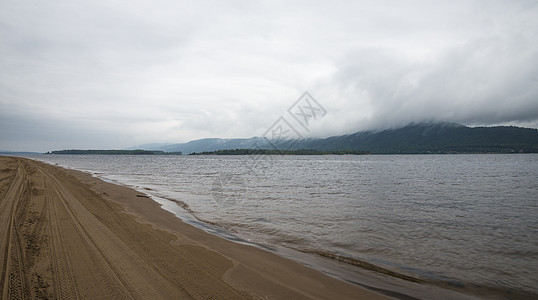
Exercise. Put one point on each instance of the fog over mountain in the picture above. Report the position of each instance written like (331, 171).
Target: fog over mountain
(107, 75)
(423, 138)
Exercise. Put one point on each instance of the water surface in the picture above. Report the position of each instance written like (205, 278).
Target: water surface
(463, 220)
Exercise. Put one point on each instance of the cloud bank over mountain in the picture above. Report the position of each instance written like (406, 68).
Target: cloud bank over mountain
(120, 73)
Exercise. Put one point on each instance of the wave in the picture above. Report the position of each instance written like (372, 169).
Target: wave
(362, 264)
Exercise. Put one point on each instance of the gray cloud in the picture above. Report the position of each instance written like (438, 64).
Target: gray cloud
(116, 74)
(485, 81)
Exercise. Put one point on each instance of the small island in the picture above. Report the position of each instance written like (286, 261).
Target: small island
(280, 152)
(114, 152)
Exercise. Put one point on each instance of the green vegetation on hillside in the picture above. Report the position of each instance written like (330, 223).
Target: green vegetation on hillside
(114, 152)
(280, 152)
(434, 138)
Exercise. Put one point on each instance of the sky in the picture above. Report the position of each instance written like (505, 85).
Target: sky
(116, 74)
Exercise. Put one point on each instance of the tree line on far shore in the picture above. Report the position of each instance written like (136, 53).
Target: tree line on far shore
(114, 152)
(280, 152)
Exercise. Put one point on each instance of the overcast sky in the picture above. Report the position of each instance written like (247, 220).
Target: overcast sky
(114, 74)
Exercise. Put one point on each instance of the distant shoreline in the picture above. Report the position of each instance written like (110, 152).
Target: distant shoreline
(114, 152)
(280, 152)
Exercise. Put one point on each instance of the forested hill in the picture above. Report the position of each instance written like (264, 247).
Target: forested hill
(434, 138)
(411, 139)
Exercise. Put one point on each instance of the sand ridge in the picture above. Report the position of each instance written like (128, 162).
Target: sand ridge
(67, 235)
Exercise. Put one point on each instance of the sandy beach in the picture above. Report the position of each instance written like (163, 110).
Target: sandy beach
(65, 234)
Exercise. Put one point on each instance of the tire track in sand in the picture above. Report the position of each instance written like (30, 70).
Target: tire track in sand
(119, 270)
(63, 282)
(13, 280)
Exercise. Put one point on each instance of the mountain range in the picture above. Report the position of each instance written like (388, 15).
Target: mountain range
(412, 139)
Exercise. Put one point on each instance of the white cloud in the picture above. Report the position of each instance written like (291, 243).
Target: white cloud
(129, 72)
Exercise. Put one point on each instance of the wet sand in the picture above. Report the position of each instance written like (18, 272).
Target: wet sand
(65, 234)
